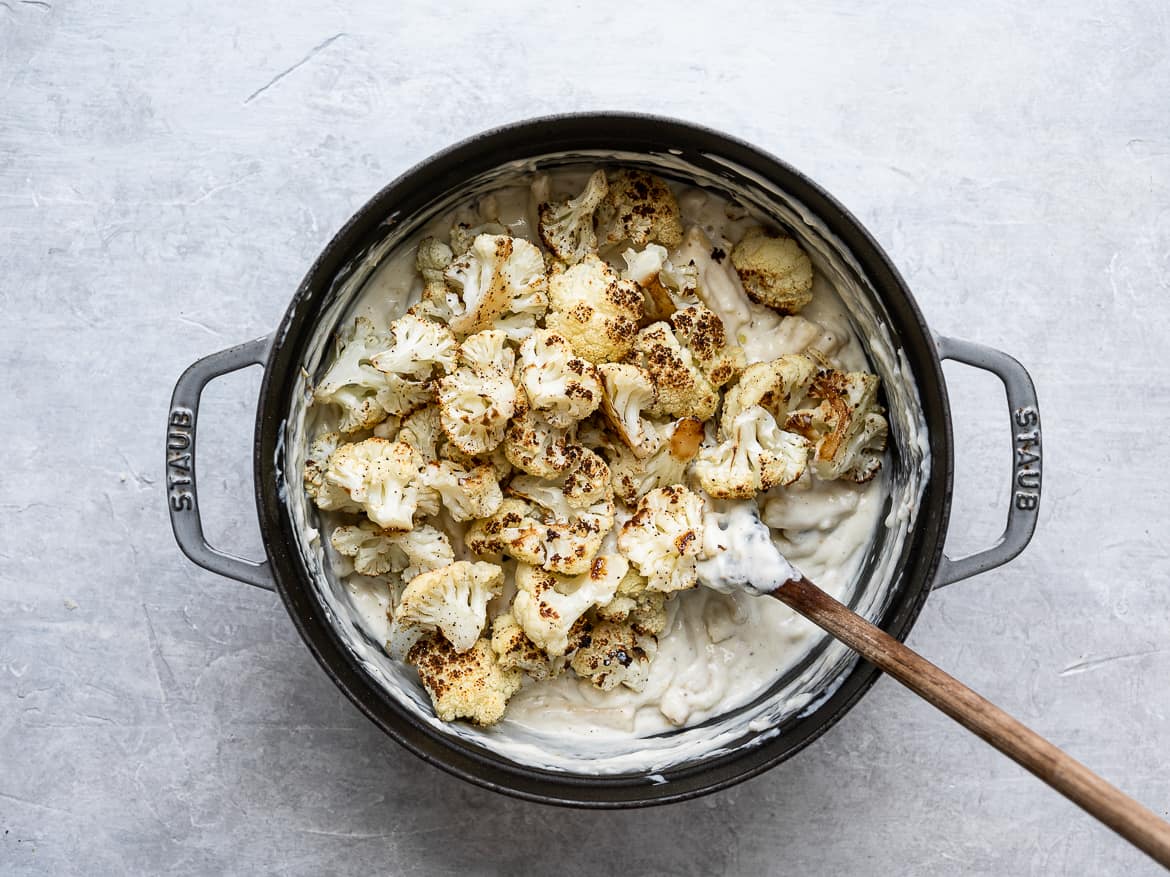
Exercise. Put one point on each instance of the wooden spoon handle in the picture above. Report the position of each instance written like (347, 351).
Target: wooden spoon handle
(1123, 814)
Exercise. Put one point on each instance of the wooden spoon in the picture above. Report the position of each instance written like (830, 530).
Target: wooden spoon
(746, 565)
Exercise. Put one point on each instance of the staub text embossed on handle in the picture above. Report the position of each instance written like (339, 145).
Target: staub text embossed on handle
(182, 486)
(1027, 474)
(180, 450)
(1028, 460)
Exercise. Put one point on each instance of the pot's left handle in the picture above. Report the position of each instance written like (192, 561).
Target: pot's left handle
(182, 496)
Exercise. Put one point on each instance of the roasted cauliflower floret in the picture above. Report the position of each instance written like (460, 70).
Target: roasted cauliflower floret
(327, 496)
(628, 391)
(487, 350)
(665, 286)
(633, 478)
(683, 389)
(547, 605)
(566, 227)
(401, 396)
(516, 651)
(564, 388)
(847, 427)
(639, 208)
(595, 310)
(431, 259)
(756, 456)
(352, 383)
(464, 232)
(467, 493)
(584, 485)
(381, 477)
(642, 609)
(376, 551)
(612, 653)
(774, 270)
(422, 549)
(664, 537)
(700, 331)
(554, 535)
(464, 685)
(421, 430)
(514, 530)
(644, 267)
(451, 599)
(476, 401)
(388, 428)
(418, 347)
(533, 444)
(500, 283)
(778, 386)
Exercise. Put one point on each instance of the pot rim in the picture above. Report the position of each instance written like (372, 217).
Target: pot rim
(551, 134)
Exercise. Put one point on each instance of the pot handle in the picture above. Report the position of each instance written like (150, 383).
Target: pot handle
(182, 496)
(1026, 460)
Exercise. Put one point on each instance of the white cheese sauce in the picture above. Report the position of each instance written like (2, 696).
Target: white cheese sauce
(721, 652)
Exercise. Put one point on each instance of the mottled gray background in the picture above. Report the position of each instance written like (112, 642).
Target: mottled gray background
(169, 170)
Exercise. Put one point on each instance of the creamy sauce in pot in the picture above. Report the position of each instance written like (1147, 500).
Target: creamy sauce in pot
(721, 652)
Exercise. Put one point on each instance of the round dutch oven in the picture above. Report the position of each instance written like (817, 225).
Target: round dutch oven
(904, 562)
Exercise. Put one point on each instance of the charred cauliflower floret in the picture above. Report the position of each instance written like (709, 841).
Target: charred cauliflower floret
(514, 530)
(665, 286)
(639, 208)
(544, 531)
(477, 399)
(546, 605)
(327, 496)
(499, 283)
(644, 268)
(464, 685)
(353, 384)
(700, 331)
(847, 427)
(451, 599)
(664, 537)
(633, 478)
(376, 551)
(612, 653)
(683, 388)
(516, 651)
(778, 386)
(594, 309)
(467, 493)
(566, 227)
(584, 485)
(381, 477)
(533, 444)
(564, 388)
(774, 270)
(628, 391)
(756, 456)
(417, 348)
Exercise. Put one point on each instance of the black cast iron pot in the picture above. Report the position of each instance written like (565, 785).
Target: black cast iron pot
(912, 565)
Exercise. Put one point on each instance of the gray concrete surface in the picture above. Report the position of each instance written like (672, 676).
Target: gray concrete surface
(169, 170)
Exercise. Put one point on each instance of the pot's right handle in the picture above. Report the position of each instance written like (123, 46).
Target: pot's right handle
(1026, 459)
(182, 497)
